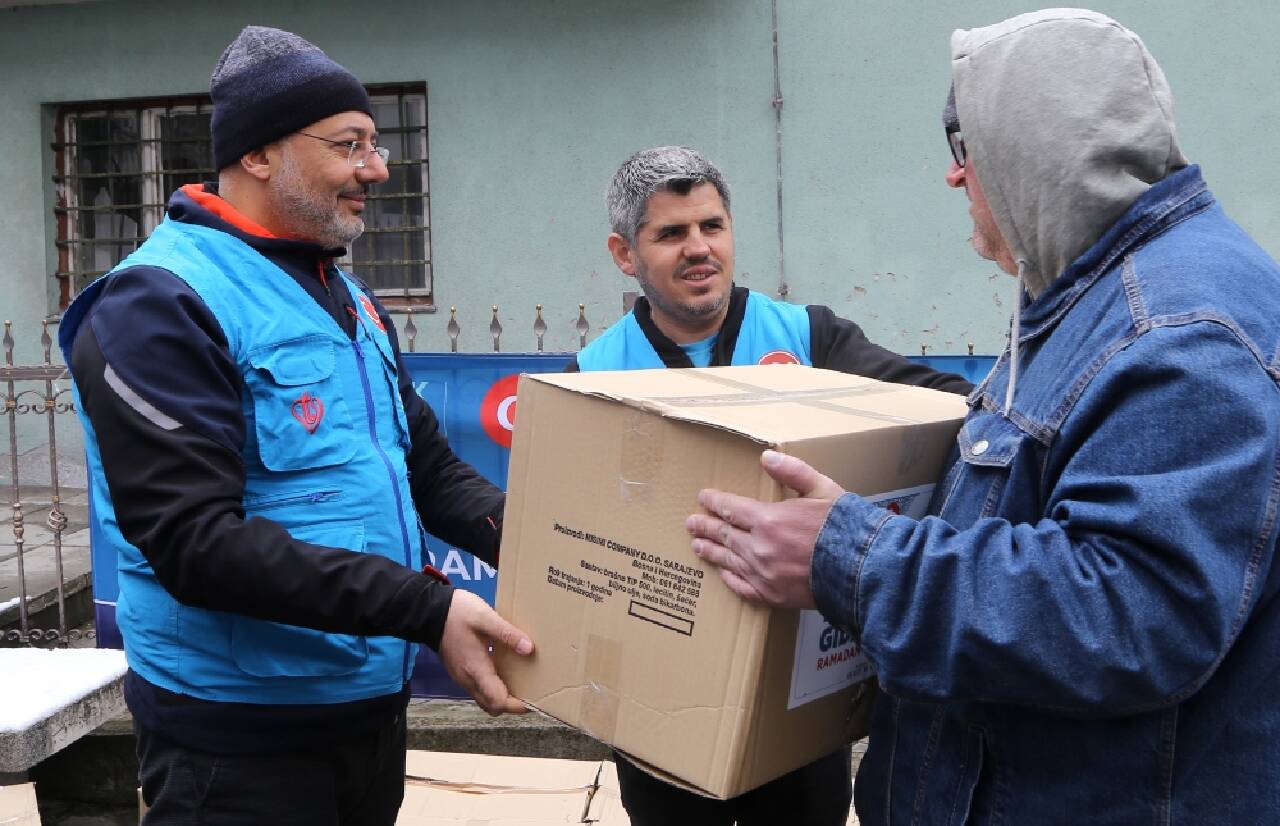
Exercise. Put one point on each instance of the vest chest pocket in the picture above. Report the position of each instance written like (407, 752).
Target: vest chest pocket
(991, 447)
(301, 418)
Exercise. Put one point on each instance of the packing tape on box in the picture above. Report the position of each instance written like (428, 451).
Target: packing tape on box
(751, 394)
(643, 451)
(601, 668)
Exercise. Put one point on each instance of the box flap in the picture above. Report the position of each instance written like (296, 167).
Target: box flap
(606, 804)
(488, 790)
(530, 773)
(770, 404)
(18, 805)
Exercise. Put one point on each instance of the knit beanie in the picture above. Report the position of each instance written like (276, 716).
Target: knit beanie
(270, 83)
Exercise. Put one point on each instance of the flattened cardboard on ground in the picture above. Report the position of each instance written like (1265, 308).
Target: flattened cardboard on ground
(485, 790)
(639, 643)
(18, 805)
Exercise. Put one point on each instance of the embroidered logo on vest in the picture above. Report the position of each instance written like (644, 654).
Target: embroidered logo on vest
(308, 410)
(371, 311)
(779, 357)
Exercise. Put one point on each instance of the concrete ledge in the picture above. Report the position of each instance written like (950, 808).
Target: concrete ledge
(21, 750)
(455, 725)
(102, 768)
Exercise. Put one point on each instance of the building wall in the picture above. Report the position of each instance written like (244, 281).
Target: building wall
(533, 103)
(873, 230)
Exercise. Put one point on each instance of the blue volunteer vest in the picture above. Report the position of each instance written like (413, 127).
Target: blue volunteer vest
(771, 331)
(324, 456)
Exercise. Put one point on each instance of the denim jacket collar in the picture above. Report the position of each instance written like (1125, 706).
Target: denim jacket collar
(1163, 205)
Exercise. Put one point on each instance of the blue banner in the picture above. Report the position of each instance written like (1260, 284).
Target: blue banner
(473, 396)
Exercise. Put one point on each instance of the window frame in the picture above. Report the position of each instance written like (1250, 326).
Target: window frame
(419, 296)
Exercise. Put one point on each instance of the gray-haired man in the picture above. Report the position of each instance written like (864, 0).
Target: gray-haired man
(1085, 628)
(673, 232)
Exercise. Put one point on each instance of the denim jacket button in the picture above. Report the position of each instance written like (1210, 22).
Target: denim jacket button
(980, 447)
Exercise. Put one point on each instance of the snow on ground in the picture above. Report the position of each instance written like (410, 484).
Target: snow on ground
(35, 683)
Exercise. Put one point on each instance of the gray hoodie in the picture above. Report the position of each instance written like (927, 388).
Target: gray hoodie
(1067, 120)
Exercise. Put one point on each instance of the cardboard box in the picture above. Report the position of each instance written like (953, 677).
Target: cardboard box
(484, 790)
(639, 643)
(18, 805)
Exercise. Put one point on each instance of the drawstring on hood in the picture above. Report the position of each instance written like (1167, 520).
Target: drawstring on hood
(1015, 333)
(1063, 142)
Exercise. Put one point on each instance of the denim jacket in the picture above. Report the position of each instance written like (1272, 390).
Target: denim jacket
(1087, 628)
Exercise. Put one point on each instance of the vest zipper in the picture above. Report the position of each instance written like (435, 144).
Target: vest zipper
(298, 498)
(395, 485)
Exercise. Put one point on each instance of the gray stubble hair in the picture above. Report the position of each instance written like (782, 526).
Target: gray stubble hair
(662, 168)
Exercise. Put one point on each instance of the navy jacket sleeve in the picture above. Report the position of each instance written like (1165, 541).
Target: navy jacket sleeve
(454, 501)
(839, 344)
(163, 396)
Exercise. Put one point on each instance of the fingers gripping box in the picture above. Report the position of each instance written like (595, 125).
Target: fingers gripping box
(639, 642)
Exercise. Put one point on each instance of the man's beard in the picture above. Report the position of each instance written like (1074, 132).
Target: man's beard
(673, 309)
(310, 215)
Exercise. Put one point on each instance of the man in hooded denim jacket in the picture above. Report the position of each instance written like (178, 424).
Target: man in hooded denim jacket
(1087, 628)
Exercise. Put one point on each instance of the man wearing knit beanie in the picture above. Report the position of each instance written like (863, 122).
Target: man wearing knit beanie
(269, 83)
(265, 472)
(271, 88)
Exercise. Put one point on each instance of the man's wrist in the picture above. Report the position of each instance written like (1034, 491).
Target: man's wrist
(838, 555)
(441, 599)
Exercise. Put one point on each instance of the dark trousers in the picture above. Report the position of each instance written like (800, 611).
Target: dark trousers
(353, 781)
(818, 794)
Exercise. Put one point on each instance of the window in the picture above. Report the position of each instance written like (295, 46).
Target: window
(117, 163)
(394, 254)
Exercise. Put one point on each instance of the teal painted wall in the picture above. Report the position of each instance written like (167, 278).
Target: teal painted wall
(530, 107)
(533, 103)
(872, 229)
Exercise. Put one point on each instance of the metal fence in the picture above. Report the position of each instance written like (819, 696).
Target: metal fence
(46, 595)
(45, 583)
(35, 581)
(581, 326)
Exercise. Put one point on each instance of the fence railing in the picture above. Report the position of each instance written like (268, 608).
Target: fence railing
(34, 581)
(45, 580)
(45, 583)
(454, 330)
(582, 328)
(46, 596)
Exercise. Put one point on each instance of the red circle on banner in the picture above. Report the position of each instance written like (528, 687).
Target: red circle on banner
(498, 409)
(779, 357)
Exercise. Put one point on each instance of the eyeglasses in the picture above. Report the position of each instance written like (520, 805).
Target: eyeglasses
(358, 152)
(955, 140)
